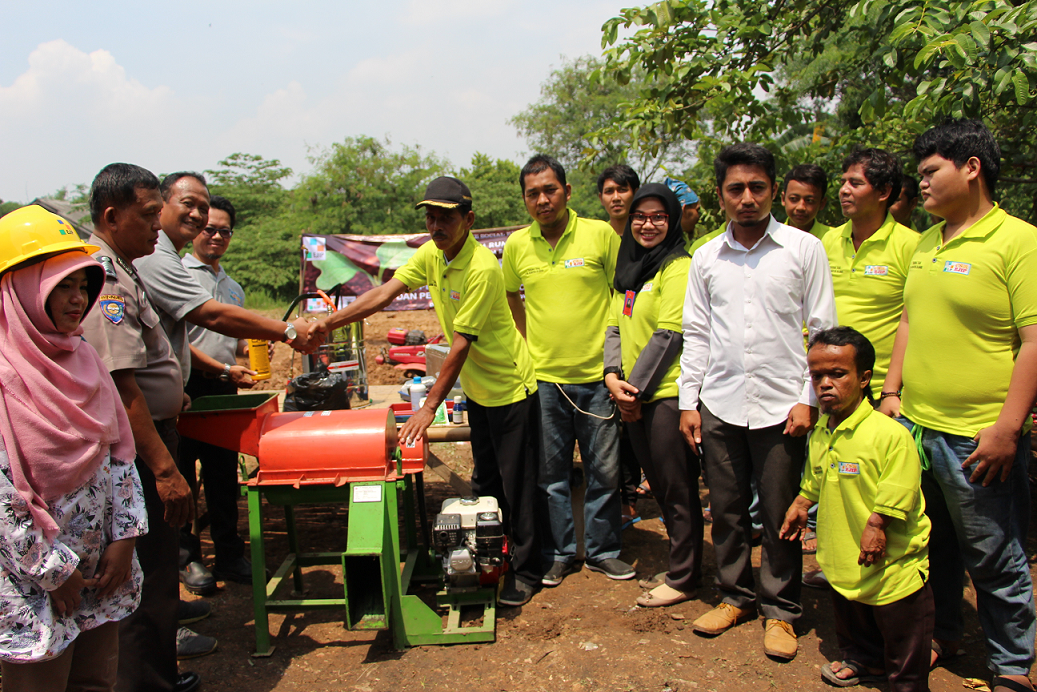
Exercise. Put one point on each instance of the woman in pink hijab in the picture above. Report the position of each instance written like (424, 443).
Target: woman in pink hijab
(71, 503)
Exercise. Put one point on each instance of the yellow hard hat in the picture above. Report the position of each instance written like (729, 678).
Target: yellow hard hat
(32, 232)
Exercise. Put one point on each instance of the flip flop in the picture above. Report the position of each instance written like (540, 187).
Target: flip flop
(643, 488)
(1008, 684)
(629, 520)
(809, 536)
(860, 675)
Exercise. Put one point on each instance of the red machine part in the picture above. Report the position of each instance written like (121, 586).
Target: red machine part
(327, 447)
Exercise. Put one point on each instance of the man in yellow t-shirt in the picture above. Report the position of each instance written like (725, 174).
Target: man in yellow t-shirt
(869, 255)
(467, 289)
(804, 196)
(567, 266)
(616, 187)
(966, 355)
(873, 533)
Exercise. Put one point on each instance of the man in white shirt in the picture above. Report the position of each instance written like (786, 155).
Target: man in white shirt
(745, 394)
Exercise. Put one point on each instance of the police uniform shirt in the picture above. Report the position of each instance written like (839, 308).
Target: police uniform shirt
(124, 329)
(174, 293)
(224, 290)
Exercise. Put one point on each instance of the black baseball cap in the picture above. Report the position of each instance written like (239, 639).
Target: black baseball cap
(446, 192)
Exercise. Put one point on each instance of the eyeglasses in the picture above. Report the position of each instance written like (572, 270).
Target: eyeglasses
(225, 232)
(656, 219)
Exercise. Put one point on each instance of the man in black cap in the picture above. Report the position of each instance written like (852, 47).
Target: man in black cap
(467, 289)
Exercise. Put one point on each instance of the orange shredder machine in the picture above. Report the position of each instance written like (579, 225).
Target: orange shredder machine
(348, 457)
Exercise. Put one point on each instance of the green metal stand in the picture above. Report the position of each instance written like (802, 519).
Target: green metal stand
(374, 586)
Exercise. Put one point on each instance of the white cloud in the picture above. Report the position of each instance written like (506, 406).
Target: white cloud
(440, 11)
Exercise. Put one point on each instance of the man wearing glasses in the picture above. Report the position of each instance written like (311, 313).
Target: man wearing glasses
(180, 300)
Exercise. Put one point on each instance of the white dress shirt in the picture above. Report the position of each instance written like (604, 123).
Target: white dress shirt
(744, 314)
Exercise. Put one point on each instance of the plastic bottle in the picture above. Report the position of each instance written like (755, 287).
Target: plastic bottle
(417, 393)
(259, 359)
(458, 410)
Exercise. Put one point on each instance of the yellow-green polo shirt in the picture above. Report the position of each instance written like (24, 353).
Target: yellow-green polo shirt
(658, 305)
(468, 294)
(568, 290)
(869, 285)
(693, 245)
(966, 301)
(868, 464)
(819, 230)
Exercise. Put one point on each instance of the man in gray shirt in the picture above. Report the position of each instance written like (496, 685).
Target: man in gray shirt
(180, 300)
(214, 372)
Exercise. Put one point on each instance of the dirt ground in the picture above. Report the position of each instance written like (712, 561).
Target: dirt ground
(586, 634)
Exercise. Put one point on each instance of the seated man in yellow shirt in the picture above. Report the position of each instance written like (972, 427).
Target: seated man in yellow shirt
(873, 534)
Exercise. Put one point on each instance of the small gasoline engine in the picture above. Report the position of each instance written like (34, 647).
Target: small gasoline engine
(469, 537)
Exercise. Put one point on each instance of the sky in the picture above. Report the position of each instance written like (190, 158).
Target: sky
(184, 85)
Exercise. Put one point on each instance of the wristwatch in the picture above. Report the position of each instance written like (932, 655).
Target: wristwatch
(290, 333)
(225, 375)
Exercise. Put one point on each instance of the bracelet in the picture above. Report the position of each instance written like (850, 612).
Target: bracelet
(884, 395)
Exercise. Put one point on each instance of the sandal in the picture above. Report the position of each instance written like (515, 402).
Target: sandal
(809, 536)
(943, 657)
(1009, 684)
(860, 675)
(643, 488)
(629, 518)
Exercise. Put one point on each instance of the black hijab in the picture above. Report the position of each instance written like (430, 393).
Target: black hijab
(635, 265)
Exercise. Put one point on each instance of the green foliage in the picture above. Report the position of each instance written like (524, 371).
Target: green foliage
(873, 72)
(8, 207)
(363, 186)
(252, 184)
(576, 102)
(496, 196)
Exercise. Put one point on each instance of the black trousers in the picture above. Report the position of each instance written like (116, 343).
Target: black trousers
(733, 455)
(672, 470)
(505, 451)
(220, 483)
(896, 637)
(147, 638)
(629, 468)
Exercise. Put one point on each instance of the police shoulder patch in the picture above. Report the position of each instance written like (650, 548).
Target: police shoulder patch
(113, 308)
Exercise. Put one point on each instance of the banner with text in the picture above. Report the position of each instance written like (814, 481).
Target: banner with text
(361, 262)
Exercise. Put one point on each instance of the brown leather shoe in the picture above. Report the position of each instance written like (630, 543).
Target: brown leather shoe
(779, 639)
(722, 618)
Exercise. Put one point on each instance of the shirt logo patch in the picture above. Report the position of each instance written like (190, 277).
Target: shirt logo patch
(849, 467)
(876, 270)
(957, 268)
(571, 263)
(113, 308)
(647, 288)
(455, 295)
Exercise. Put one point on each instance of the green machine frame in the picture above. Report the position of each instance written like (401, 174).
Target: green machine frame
(374, 585)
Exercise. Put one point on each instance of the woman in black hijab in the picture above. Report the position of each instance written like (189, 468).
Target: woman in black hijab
(642, 345)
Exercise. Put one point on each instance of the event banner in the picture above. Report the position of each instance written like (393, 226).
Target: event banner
(361, 262)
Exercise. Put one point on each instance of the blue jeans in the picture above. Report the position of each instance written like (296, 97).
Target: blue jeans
(561, 427)
(982, 530)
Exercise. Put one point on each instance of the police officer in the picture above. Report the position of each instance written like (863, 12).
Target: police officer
(124, 205)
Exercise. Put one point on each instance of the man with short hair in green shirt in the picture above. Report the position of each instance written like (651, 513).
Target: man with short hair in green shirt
(873, 533)
(467, 289)
(567, 265)
(966, 356)
(804, 196)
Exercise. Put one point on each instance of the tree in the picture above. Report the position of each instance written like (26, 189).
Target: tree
(252, 184)
(362, 186)
(577, 101)
(495, 191)
(874, 72)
